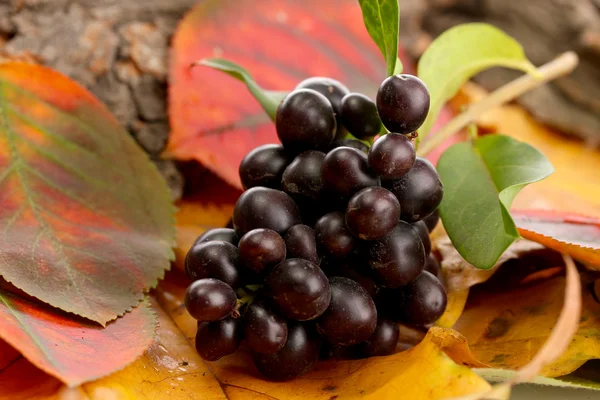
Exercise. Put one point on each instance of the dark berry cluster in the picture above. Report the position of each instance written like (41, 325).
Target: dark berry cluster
(330, 243)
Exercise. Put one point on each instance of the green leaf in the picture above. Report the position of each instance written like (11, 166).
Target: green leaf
(481, 179)
(381, 19)
(268, 99)
(460, 53)
(399, 67)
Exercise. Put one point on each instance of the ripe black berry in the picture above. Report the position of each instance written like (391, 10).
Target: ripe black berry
(210, 300)
(432, 265)
(218, 339)
(302, 178)
(355, 144)
(264, 166)
(423, 232)
(359, 116)
(351, 316)
(402, 103)
(372, 213)
(333, 237)
(299, 354)
(264, 331)
(382, 342)
(305, 121)
(345, 171)
(392, 156)
(432, 220)
(261, 207)
(398, 258)
(261, 249)
(299, 289)
(422, 301)
(224, 234)
(419, 192)
(300, 242)
(213, 259)
(333, 90)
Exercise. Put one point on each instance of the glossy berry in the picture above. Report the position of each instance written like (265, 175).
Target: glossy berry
(351, 316)
(260, 249)
(372, 213)
(225, 234)
(299, 289)
(359, 116)
(392, 156)
(355, 144)
(210, 300)
(351, 268)
(432, 220)
(302, 178)
(298, 356)
(398, 258)
(423, 232)
(332, 89)
(213, 259)
(305, 121)
(264, 166)
(218, 339)
(300, 242)
(333, 237)
(402, 103)
(432, 265)
(422, 301)
(382, 342)
(345, 171)
(261, 207)
(419, 192)
(264, 331)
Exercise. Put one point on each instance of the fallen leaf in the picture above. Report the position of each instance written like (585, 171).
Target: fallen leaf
(74, 350)
(573, 234)
(169, 369)
(267, 38)
(455, 346)
(554, 347)
(423, 372)
(87, 219)
(460, 275)
(457, 299)
(506, 324)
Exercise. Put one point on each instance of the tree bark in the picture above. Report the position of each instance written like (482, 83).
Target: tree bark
(545, 28)
(116, 48)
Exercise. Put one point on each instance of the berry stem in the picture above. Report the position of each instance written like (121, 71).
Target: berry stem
(562, 65)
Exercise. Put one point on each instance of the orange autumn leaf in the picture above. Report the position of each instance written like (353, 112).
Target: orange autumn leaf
(72, 349)
(506, 324)
(85, 214)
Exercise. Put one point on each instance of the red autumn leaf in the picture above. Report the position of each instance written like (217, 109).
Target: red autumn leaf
(576, 235)
(73, 350)
(214, 119)
(87, 220)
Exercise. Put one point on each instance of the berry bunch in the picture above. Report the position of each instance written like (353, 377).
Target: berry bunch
(330, 241)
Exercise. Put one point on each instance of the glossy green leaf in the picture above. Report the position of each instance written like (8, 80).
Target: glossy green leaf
(381, 19)
(269, 100)
(460, 53)
(481, 179)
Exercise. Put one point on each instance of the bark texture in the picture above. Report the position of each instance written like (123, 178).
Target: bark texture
(116, 48)
(546, 28)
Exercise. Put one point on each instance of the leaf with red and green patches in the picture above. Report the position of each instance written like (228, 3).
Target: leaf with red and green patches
(572, 234)
(73, 350)
(87, 222)
(214, 118)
